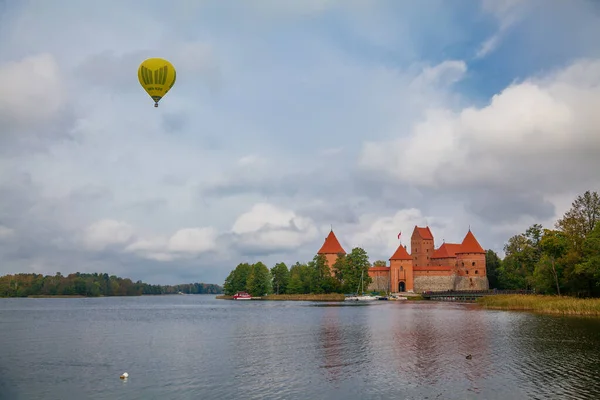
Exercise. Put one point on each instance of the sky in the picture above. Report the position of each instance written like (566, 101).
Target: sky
(287, 119)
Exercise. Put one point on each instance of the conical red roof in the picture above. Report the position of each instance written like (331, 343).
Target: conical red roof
(470, 244)
(400, 254)
(331, 245)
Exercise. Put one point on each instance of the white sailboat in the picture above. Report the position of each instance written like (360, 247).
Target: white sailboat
(362, 296)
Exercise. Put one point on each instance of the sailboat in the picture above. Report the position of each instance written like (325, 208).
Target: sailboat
(361, 297)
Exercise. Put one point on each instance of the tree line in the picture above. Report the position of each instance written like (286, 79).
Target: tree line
(91, 285)
(350, 276)
(563, 260)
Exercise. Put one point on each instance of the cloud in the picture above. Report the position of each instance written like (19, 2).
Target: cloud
(526, 138)
(268, 228)
(287, 118)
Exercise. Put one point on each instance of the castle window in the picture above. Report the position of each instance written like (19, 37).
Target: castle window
(463, 263)
(467, 272)
(476, 272)
(401, 268)
(473, 263)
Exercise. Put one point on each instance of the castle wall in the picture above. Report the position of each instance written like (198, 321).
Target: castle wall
(449, 281)
(381, 281)
(472, 264)
(471, 283)
(424, 283)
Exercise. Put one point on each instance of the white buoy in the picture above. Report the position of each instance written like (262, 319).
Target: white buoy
(124, 376)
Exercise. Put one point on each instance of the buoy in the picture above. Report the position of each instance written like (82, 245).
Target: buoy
(124, 376)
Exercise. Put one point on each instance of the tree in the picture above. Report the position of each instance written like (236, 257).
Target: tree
(356, 267)
(590, 266)
(554, 244)
(237, 279)
(380, 263)
(492, 266)
(259, 280)
(281, 277)
(321, 279)
(581, 219)
(299, 282)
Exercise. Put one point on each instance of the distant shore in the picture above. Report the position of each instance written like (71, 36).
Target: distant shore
(562, 305)
(57, 296)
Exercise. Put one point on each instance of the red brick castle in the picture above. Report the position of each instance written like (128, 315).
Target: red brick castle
(452, 266)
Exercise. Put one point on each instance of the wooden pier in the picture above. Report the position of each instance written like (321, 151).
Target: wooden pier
(468, 295)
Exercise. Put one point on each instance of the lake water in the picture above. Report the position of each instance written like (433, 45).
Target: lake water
(197, 347)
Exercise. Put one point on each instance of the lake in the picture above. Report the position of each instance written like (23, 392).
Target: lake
(195, 346)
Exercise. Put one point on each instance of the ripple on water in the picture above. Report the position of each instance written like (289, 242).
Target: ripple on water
(196, 346)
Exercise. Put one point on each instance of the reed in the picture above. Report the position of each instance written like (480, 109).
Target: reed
(544, 304)
(224, 297)
(306, 297)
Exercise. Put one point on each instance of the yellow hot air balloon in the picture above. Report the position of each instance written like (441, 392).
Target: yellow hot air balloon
(157, 77)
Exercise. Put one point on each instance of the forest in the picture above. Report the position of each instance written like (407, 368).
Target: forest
(561, 260)
(351, 272)
(92, 285)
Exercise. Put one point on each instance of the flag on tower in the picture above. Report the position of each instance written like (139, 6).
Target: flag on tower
(400, 233)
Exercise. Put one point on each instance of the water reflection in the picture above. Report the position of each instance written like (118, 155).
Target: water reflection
(556, 357)
(330, 339)
(194, 346)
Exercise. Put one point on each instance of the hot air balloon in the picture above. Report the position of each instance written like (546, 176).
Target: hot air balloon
(157, 77)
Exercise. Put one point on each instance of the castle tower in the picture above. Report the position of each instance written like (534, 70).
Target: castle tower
(421, 246)
(331, 249)
(401, 271)
(471, 259)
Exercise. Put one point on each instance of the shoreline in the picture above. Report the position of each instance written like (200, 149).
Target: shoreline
(543, 304)
(294, 297)
(334, 297)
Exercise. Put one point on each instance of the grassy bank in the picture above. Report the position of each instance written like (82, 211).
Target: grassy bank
(224, 297)
(543, 304)
(413, 298)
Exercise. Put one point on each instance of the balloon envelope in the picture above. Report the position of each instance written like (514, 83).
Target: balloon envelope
(157, 77)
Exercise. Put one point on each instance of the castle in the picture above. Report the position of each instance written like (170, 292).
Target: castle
(452, 266)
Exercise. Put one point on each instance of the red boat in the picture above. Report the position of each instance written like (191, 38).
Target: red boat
(242, 296)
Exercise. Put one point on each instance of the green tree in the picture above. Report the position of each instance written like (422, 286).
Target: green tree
(237, 279)
(321, 279)
(300, 279)
(356, 267)
(259, 280)
(281, 277)
(590, 265)
(581, 219)
(492, 265)
(554, 245)
(380, 263)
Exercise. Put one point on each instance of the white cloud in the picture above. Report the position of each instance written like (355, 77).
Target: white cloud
(32, 90)
(508, 13)
(266, 226)
(185, 243)
(527, 137)
(107, 232)
(379, 234)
